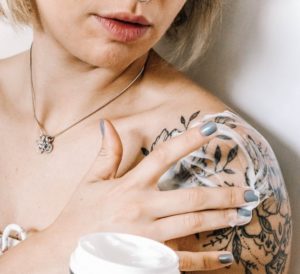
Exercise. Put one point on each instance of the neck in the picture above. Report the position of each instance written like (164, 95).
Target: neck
(68, 87)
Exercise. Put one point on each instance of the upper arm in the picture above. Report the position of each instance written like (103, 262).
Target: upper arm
(240, 156)
(262, 246)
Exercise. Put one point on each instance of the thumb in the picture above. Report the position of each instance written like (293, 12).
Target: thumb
(109, 157)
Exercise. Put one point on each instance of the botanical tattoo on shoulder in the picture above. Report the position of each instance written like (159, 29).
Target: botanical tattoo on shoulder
(168, 134)
(265, 248)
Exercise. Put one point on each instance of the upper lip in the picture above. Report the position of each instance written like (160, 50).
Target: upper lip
(128, 17)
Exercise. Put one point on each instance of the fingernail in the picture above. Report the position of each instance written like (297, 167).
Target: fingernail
(244, 213)
(226, 258)
(242, 217)
(208, 128)
(250, 196)
(102, 127)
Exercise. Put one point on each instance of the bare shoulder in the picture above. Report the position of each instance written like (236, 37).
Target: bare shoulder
(174, 101)
(7, 68)
(238, 156)
(12, 72)
(180, 92)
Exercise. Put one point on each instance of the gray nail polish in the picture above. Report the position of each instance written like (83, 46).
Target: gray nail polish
(245, 213)
(208, 128)
(250, 196)
(226, 258)
(102, 127)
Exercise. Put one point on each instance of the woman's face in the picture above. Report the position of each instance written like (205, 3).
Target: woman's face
(107, 32)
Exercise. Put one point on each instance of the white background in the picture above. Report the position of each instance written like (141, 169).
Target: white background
(254, 66)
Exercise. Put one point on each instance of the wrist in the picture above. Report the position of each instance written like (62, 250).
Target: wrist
(41, 253)
(62, 240)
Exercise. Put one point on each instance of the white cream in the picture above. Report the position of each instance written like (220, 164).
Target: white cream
(119, 253)
(262, 173)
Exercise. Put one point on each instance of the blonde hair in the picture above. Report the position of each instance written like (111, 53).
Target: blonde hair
(20, 12)
(189, 34)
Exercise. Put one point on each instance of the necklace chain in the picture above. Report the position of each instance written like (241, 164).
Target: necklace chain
(45, 142)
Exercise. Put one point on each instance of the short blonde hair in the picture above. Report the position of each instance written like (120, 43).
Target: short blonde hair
(21, 12)
(189, 33)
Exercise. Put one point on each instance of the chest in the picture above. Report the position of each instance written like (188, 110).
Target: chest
(35, 187)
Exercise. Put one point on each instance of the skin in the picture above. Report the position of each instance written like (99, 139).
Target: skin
(85, 68)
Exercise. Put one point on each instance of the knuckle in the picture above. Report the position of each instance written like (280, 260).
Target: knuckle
(115, 154)
(232, 196)
(195, 197)
(186, 263)
(205, 263)
(103, 152)
(226, 215)
(193, 221)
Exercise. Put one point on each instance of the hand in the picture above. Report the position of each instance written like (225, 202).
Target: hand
(133, 204)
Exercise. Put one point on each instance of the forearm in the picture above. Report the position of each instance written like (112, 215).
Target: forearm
(43, 253)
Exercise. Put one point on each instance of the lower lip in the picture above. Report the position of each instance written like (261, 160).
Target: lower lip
(122, 31)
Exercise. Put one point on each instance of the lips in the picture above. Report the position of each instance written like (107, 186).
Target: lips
(124, 27)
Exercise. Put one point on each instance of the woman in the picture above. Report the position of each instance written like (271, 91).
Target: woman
(85, 55)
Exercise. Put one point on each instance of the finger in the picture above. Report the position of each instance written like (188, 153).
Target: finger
(109, 157)
(190, 223)
(200, 198)
(204, 261)
(160, 160)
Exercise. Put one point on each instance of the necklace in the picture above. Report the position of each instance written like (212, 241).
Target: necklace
(45, 142)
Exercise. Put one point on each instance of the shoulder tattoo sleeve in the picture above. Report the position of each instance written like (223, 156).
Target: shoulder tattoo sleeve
(238, 156)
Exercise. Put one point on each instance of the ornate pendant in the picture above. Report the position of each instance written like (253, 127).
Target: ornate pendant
(45, 143)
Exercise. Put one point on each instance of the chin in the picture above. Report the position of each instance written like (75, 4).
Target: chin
(109, 53)
(105, 54)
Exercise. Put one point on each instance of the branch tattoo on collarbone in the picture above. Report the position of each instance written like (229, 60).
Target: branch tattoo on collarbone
(241, 158)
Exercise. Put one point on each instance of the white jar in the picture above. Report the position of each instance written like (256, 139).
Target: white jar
(119, 253)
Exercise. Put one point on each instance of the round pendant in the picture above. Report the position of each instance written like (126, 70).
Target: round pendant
(45, 143)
